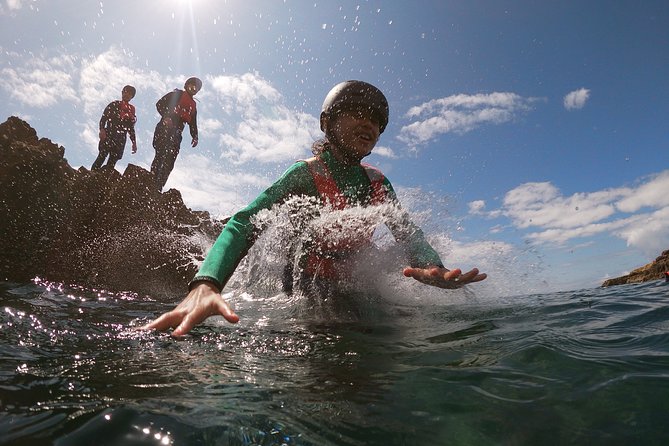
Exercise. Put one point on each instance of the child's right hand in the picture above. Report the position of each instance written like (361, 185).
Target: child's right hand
(204, 300)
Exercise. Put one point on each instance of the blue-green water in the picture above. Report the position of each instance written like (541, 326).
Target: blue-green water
(586, 367)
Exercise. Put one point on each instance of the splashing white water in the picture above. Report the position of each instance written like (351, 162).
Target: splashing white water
(377, 274)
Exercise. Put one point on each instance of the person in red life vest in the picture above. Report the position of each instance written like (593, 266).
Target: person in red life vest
(177, 108)
(117, 121)
(353, 116)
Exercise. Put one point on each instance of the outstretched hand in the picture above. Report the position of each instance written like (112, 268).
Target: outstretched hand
(444, 278)
(203, 301)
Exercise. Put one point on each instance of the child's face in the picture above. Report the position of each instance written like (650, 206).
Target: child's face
(192, 89)
(356, 132)
(126, 95)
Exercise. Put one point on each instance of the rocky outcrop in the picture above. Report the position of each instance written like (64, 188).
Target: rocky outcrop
(653, 271)
(94, 228)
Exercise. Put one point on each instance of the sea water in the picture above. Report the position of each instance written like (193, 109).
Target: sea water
(581, 367)
(391, 362)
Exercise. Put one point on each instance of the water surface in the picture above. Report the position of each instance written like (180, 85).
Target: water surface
(585, 367)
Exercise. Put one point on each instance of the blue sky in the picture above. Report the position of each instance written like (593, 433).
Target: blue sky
(529, 138)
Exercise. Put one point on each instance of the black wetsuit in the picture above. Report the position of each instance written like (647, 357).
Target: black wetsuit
(118, 120)
(167, 138)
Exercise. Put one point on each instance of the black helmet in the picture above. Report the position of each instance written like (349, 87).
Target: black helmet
(356, 94)
(194, 80)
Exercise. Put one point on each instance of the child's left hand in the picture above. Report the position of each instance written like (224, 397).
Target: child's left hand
(444, 278)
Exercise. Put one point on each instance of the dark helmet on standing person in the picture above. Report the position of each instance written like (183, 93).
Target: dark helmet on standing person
(355, 95)
(195, 81)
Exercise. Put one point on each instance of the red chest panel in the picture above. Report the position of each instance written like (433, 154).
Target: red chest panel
(185, 108)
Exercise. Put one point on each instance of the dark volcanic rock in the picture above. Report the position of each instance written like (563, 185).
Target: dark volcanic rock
(99, 229)
(653, 271)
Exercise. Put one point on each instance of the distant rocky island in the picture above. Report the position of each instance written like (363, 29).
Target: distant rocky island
(99, 228)
(653, 271)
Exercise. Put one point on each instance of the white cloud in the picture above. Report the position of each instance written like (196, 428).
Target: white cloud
(460, 114)
(559, 236)
(207, 185)
(476, 207)
(12, 5)
(653, 193)
(89, 135)
(560, 218)
(284, 136)
(650, 233)
(243, 92)
(40, 83)
(385, 152)
(541, 204)
(268, 131)
(473, 254)
(576, 99)
(209, 125)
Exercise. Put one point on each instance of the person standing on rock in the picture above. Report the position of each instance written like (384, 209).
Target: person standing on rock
(117, 121)
(177, 108)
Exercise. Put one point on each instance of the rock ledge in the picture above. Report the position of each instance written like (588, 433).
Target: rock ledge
(653, 271)
(99, 229)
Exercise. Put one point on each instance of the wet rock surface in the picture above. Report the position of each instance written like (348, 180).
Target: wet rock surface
(98, 228)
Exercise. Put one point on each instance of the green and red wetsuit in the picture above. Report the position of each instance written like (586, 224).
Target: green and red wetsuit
(303, 179)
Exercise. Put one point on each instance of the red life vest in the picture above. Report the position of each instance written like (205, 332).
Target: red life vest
(185, 108)
(126, 112)
(325, 255)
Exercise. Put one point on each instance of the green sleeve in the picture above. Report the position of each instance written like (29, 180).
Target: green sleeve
(420, 253)
(239, 233)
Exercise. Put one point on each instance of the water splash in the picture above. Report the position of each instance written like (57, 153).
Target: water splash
(289, 228)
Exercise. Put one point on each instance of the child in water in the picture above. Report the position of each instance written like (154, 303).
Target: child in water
(353, 116)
